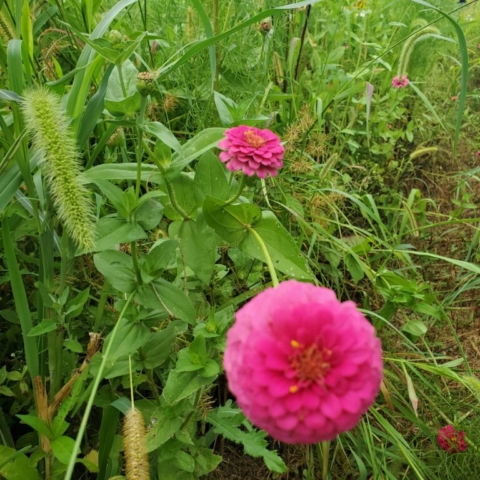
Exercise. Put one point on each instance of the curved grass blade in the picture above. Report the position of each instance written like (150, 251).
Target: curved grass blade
(462, 43)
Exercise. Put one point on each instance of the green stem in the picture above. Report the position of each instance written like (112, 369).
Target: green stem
(268, 259)
(173, 201)
(136, 266)
(241, 186)
(101, 305)
(96, 383)
(139, 151)
(122, 80)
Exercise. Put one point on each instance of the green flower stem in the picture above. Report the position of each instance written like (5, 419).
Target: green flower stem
(173, 201)
(136, 266)
(325, 451)
(122, 80)
(239, 190)
(96, 383)
(268, 259)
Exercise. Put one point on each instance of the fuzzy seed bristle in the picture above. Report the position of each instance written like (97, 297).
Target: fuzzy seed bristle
(47, 122)
(135, 446)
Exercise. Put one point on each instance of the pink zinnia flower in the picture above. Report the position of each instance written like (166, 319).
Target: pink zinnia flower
(398, 82)
(302, 365)
(252, 150)
(450, 440)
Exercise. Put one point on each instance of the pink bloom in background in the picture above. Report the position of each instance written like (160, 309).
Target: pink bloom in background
(252, 150)
(450, 440)
(303, 366)
(398, 82)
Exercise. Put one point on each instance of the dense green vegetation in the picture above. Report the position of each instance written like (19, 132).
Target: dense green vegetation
(127, 246)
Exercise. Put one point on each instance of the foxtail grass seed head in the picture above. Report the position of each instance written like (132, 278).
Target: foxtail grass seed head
(7, 32)
(135, 446)
(48, 123)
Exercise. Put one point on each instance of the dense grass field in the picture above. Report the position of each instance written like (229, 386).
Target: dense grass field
(186, 185)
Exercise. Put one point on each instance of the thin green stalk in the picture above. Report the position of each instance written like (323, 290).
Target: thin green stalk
(96, 383)
(173, 201)
(101, 305)
(268, 259)
(136, 266)
(122, 80)
(139, 151)
(239, 191)
(21, 300)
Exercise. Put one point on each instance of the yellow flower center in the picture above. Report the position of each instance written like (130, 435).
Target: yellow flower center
(311, 363)
(254, 139)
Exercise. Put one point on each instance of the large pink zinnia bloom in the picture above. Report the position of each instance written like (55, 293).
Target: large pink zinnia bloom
(251, 150)
(302, 365)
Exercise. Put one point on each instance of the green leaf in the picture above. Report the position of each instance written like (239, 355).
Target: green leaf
(210, 179)
(283, 250)
(149, 214)
(116, 102)
(16, 465)
(161, 255)
(43, 327)
(117, 268)
(253, 441)
(414, 329)
(230, 221)
(160, 344)
(62, 448)
(194, 148)
(164, 135)
(197, 246)
(112, 231)
(130, 337)
(104, 48)
(162, 295)
(37, 424)
(162, 429)
(464, 78)
(182, 384)
(354, 268)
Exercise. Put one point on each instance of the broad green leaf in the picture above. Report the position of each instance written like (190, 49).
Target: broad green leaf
(160, 344)
(285, 254)
(117, 268)
(37, 424)
(164, 296)
(113, 231)
(181, 385)
(193, 149)
(161, 255)
(149, 214)
(130, 337)
(162, 429)
(163, 134)
(230, 221)
(210, 179)
(414, 329)
(197, 246)
(62, 448)
(15, 465)
(117, 102)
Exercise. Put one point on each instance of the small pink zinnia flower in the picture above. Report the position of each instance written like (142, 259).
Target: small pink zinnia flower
(302, 365)
(450, 440)
(252, 150)
(398, 82)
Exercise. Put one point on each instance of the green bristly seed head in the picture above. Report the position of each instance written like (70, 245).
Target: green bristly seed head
(48, 123)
